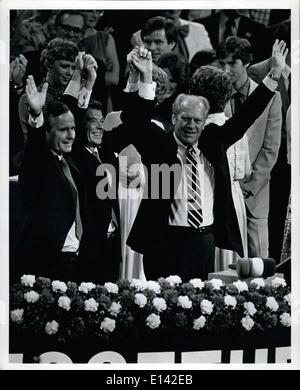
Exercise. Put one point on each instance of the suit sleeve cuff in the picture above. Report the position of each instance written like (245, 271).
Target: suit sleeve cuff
(36, 122)
(147, 91)
(270, 84)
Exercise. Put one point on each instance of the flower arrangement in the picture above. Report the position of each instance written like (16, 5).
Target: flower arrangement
(67, 311)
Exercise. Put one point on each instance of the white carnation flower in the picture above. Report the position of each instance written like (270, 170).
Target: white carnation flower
(159, 304)
(199, 323)
(86, 287)
(250, 308)
(206, 306)
(64, 303)
(28, 280)
(51, 327)
(17, 315)
(31, 296)
(184, 301)
(111, 287)
(174, 280)
(278, 282)
(287, 298)
(140, 299)
(258, 282)
(115, 308)
(154, 286)
(91, 305)
(247, 322)
(229, 300)
(216, 283)
(272, 304)
(241, 286)
(57, 285)
(197, 283)
(153, 321)
(285, 319)
(140, 285)
(108, 325)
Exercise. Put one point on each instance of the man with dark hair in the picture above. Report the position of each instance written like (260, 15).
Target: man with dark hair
(100, 251)
(264, 141)
(159, 35)
(52, 194)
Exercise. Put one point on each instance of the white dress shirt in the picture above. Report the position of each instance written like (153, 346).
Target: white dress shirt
(179, 207)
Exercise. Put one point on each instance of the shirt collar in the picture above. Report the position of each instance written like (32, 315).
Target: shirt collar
(244, 89)
(182, 148)
(59, 156)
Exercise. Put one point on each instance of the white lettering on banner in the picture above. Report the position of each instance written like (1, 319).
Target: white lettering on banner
(236, 356)
(261, 356)
(107, 357)
(201, 357)
(156, 357)
(54, 357)
(282, 355)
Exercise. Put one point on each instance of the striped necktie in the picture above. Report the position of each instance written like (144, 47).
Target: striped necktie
(68, 175)
(194, 217)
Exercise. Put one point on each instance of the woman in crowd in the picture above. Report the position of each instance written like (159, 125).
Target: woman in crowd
(59, 61)
(215, 85)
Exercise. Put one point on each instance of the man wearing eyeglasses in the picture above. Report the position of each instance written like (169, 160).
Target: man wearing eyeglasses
(70, 25)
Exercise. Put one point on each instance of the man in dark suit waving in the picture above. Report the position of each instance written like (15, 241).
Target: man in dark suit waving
(177, 233)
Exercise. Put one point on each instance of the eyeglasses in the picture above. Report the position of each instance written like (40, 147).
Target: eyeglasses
(68, 29)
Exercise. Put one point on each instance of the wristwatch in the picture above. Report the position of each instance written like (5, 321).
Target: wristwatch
(273, 77)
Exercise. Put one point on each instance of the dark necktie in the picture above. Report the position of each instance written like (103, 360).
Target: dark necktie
(195, 217)
(181, 47)
(68, 175)
(229, 28)
(237, 97)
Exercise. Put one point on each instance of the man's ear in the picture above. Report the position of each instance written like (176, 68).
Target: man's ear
(173, 119)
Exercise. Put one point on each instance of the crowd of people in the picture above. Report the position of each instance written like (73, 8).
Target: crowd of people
(148, 148)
